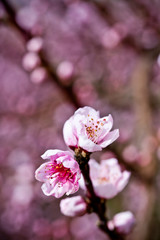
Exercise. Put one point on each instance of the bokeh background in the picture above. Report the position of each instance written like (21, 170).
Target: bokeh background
(56, 56)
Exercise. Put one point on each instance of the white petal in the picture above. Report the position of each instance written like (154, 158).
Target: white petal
(69, 133)
(109, 138)
(123, 180)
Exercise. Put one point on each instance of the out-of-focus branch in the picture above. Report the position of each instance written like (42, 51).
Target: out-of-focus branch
(127, 41)
(141, 104)
(67, 90)
(143, 137)
(142, 8)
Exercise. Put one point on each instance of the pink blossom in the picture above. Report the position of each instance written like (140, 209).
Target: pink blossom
(35, 44)
(87, 130)
(60, 175)
(65, 70)
(122, 222)
(38, 75)
(107, 178)
(74, 206)
(30, 61)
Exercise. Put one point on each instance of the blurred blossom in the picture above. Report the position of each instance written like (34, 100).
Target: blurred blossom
(78, 13)
(85, 92)
(25, 173)
(149, 38)
(107, 178)
(22, 194)
(24, 14)
(147, 152)
(65, 71)
(47, 137)
(30, 61)
(61, 114)
(136, 198)
(158, 60)
(38, 75)
(14, 218)
(122, 222)
(18, 156)
(26, 105)
(40, 6)
(107, 155)
(74, 206)
(60, 228)
(131, 153)
(85, 228)
(10, 127)
(42, 227)
(110, 38)
(35, 44)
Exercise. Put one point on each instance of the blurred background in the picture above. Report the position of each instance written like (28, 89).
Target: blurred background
(56, 56)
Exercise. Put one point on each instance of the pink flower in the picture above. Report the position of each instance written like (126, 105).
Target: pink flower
(107, 178)
(60, 175)
(87, 130)
(74, 206)
(122, 222)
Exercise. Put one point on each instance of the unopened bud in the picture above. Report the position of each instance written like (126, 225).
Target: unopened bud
(65, 70)
(38, 75)
(122, 222)
(35, 44)
(74, 206)
(30, 61)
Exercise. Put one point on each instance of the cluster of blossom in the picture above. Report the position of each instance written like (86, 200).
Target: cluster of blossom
(31, 61)
(61, 174)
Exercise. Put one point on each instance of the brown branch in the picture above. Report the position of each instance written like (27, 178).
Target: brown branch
(96, 204)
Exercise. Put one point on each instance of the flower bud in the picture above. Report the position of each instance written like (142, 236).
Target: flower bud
(30, 61)
(74, 206)
(38, 75)
(65, 70)
(122, 222)
(35, 44)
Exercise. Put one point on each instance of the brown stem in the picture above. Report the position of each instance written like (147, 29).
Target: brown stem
(96, 204)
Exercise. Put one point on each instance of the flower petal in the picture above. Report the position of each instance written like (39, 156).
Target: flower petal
(123, 180)
(72, 164)
(49, 153)
(107, 190)
(41, 174)
(69, 133)
(88, 111)
(88, 145)
(109, 138)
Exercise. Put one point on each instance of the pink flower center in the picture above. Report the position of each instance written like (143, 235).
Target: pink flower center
(61, 173)
(94, 128)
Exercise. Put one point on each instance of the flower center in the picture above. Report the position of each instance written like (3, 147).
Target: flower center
(94, 128)
(61, 173)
